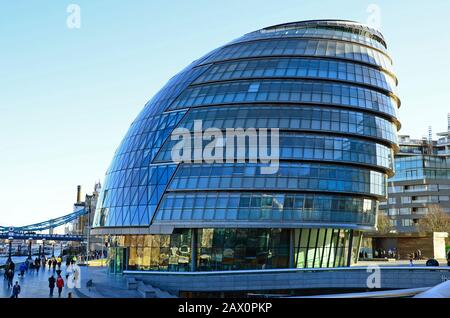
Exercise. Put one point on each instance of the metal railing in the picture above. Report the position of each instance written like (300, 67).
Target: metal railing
(289, 270)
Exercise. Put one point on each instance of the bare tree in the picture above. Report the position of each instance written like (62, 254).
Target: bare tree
(436, 220)
(383, 224)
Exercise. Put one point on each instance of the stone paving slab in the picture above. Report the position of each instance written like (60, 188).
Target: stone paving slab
(34, 284)
(104, 285)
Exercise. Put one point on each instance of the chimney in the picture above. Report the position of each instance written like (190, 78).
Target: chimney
(78, 194)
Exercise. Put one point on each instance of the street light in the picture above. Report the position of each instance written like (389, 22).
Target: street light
(29, 241)
(9, 241)
(53, 248)
(43, 249)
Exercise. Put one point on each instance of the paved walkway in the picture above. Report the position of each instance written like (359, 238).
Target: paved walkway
(396, 263)
(104, 285)
(34, 284)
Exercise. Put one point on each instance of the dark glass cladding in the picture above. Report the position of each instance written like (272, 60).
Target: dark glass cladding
(294, 118)
(303, 47)
(287, 91)
(307, 147)
(229, 209)
(299, 68)
(315, 177)
(328, 86)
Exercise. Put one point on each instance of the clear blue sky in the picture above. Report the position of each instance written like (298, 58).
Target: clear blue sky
(67, 96)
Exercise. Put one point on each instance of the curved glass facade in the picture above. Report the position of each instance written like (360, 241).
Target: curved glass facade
(299, 68)
(328, 88)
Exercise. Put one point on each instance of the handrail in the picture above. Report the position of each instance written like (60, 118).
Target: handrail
(284, 270)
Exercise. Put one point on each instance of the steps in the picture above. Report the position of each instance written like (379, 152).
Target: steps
(147, 290)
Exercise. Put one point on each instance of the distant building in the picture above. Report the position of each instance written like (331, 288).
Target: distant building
(80, 226)
(422, 178)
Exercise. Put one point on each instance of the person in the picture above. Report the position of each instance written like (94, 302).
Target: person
(16, 290)
(49, 263)
(44, 262)
(12, 265)
(69, 295)
(69, 270)
(10, 277)
(54, 264)
(59, 284)
(5, 274)
(411, 261)
(37, 264)
(51, 284)
(22, 269)
(76, 276)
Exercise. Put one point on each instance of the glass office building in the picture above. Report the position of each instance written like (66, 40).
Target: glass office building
(421, 181)
(329, 87)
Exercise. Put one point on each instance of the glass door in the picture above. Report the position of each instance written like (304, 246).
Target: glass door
(117, 260)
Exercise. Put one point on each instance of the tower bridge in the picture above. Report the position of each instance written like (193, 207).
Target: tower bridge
(31, 233)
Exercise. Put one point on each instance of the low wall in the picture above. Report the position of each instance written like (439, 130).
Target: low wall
(391, 277)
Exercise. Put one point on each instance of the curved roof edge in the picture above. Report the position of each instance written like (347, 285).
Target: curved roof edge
(337, 22)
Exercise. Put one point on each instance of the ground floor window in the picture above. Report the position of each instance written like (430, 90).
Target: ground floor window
(236, 249)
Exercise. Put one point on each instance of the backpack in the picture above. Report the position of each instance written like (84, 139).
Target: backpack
(60, 282)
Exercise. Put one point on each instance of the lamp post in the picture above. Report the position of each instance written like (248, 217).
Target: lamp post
(88, 232)
(30, 241)
(9, 241)
(43, 248)
(101, 256)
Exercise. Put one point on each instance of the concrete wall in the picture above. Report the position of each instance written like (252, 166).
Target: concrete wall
(432, 245)
(338, 278)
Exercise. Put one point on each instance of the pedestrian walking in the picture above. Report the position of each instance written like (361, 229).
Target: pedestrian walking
(37, 264)
(5, 274)
(10, 277)
(59, 284)
(16, 290)
(22, 269)
(411, 261)
(51, 284)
